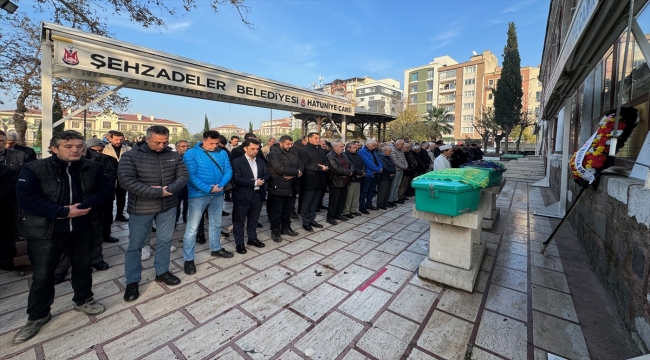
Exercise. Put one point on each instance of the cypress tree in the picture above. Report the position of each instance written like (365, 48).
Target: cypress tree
(206, 124)
(57, 114)
(508, 94)
(250, 127)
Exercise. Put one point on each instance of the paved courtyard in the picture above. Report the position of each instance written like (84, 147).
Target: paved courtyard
(349, 291)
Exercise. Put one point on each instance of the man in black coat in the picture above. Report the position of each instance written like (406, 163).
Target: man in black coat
(60, 197)
(351, 208)
(12, 143)
(249, 175)
(313, 181)
(8, 179)
(286, 169)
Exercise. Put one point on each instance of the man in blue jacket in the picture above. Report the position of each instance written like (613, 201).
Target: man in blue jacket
(369, 183)
(210, 171)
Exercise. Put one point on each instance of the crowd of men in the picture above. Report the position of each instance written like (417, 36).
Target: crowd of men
(63, 205)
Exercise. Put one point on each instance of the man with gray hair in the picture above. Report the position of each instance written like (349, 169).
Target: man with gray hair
(400, 165)
(12, 143)
(153, 175)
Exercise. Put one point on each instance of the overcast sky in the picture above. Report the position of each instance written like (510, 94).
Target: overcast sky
(298, 41)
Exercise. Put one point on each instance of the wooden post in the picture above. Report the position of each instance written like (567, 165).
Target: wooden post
(372, 130)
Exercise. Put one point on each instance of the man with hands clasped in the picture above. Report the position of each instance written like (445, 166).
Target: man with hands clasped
(153, 175)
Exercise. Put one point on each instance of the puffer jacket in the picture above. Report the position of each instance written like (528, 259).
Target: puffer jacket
(142, 168)
(284, 163)
(373, 165)
(389, 167)
(203, 173)
(339, 173)
(398, 158)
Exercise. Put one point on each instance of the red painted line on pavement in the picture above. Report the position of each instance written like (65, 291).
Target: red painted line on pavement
(373, 279)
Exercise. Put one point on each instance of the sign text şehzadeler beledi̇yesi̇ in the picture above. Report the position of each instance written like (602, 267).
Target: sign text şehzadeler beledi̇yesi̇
(151, 71)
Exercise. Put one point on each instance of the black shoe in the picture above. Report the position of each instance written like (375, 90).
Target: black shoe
(256, 243)
(100, 265)
(364, 211)
(308, 228)
(111, 239)
(288, 231)
(121, 218)
(275, 236)
(349, 216)
(356, 213)
(224, 213)
(31, 329)
(341, 218)
(200, 239)
(225, 234)
(189, 267)
(323, 207)
(316, 225)
(241, 249)
(391, 204)
(222, 253)
(168, 279)
(294, 215)
(383, 207)
(400, 201)
(371, 208)
(153, 229)
(332, 221)
(131, 293)
(7, 265)
(259, 225)
(59, 278)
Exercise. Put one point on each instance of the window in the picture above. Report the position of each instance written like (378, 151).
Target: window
(429, 85)
(470, 69)
(362, 99)
(145, 127)
(449, 108)
(429, 107)
(414, 76)
(470, 81)
(490, 96)
(467, 117)
(89, 125)
(430, 74)
(468, 93)
(467, 130)
(447, 74)
(538, 96)
(371, 98)
(413, 99)
(414, 88)
(429, 96)
(537, 111)
(490, 82)
(449, 86)
(449, 118)
(76, 124)
(174, 129)
(451, 97)
(468, 105)
(37, 121)
(106, 124)
(124, 127)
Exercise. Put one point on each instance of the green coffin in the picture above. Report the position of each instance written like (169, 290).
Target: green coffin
(445, 197)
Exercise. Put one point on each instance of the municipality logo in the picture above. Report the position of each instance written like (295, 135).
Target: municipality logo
(302, 103)
(70, 57)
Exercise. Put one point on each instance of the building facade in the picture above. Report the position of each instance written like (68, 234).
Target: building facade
(97, 123)
(278, 127)
(230, 130)
(584, 72)
(530, 85)
(381, 96)
(345, 87)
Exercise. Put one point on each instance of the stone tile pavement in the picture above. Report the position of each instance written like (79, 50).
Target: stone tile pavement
(349, 291)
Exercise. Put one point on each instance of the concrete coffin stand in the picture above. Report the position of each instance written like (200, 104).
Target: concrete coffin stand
(455, 247)
(492, 214)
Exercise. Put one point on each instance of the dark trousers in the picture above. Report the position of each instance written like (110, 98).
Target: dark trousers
(120, 200)
(280, 213)
(337, 201)
(309, 204)
(250, 214)
(182, 198)
(44, 255)
(383, 192)
(107, 219)
(301, 196)
(368, 188)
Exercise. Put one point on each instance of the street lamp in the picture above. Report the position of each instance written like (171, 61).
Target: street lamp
(8, 6)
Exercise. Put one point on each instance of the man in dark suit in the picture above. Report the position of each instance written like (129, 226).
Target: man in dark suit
(249, 175)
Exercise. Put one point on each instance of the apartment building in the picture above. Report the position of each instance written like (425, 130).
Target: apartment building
(345, 87)
(530, 84)
(230, 130)
(277, 127)
(381, 96)
(97, 123)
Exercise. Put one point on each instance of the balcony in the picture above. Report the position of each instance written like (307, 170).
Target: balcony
(447, 79)
(447, 88)
(447, 100)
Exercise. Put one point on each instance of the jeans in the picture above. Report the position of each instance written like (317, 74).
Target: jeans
(368, 187)
(280, 213)
(394, 186)
(44, 254)
(214, 205)
(352, 198)
(139, 231)
(337, 201)
(309, 201)
(248, 214)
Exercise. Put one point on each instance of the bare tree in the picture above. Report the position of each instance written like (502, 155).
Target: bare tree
(485, 125)
(525, 121)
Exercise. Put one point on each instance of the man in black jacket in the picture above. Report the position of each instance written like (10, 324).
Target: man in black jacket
(153, 175)
(285, 168)
(60, 198)
(351, 208)
(339, 177)
(313, 181)
(8, 179)
(12, 143)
